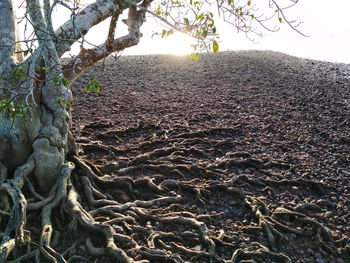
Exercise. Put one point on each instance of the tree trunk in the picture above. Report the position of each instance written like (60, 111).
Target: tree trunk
(42, 134)
(36, 145)
(33, 148)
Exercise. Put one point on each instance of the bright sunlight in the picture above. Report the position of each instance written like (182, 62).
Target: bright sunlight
(176, 44)
(179, 44)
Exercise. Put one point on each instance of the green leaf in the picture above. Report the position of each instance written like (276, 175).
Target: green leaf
(187, 22)
(204, 33)
(280, 19)
(58, 101)
(88, 89)
(200, 17)
(96, 89)
(215, 46)
(93, 85)
(62, 102)
(64, 81)
(25, 53)
(55, 81)
(195, 56)
(60, 80)
(170, 32)
(68, 103)
(164, 33)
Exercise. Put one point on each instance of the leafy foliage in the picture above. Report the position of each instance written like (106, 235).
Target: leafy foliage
(19, 73)
(93, 85)
(63, 103)
(26, 52)
(12, 109)
(60, 80)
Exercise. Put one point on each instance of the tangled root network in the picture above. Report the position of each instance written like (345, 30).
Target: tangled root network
(165, 196)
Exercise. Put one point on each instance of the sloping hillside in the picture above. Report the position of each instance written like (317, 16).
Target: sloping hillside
(246, 160)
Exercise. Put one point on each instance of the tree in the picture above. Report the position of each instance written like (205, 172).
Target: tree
(37, 150)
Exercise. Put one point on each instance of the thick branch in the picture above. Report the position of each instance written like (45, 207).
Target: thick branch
(88, 57)
(45, 39)
(37, 20)
(7, 32)
(79, 25)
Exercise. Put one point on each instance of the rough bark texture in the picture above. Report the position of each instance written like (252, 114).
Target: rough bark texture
(33, 149)
(7, 30)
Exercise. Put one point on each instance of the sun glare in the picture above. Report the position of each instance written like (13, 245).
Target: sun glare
(177, 44)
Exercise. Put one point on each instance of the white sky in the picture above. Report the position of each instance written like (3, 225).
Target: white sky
(327, 23)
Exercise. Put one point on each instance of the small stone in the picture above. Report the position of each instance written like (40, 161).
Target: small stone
(233, 202)
(321, 260)
(323, 253)
(324, 202)
(328, 214)
(318, 255)
(198, 248)
(293, 236)
(334, 199)
(339, 260)
(309, 252)
(265, 159)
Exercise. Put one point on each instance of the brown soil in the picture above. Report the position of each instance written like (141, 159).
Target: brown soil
(257, 132)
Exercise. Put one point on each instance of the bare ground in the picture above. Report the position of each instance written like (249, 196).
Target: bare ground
(246, 162)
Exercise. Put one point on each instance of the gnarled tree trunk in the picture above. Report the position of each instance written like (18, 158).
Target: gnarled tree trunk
(33, 148)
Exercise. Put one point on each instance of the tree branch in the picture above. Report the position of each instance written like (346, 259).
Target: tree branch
(81, 23)
(7, 33)
(88, 57)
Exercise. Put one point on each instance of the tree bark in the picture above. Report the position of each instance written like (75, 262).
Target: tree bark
(33, 149)
(79, 25)
(7, 34)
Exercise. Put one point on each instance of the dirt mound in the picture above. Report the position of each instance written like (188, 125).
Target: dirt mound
(246, 161)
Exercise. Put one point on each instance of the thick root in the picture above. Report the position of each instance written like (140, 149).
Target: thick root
(167, 200)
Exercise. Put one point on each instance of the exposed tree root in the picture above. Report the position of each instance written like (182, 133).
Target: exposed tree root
(157, 203)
